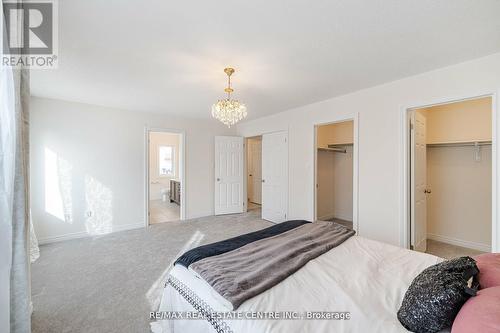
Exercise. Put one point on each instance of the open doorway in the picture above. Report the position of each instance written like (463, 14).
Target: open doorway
(267, 176)
(450, 171)
(254, 173)
(335, 172)
(165, 176)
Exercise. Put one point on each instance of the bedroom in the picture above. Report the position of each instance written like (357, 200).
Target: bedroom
(125, 69)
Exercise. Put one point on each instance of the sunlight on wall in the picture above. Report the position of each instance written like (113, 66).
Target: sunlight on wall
(99, 207)
(154, 293)
(58, 202)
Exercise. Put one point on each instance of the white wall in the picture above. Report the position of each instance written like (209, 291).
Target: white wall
(157, 182)
(334, 134)
(324, 191)
(459, 206)
(86, 157)
(335, 185)
(380, 112)
(335, 172)
(459, 122)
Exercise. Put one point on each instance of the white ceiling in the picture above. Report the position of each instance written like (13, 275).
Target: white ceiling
(169, 56)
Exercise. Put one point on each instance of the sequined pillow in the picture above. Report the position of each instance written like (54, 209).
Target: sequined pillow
(435, 296)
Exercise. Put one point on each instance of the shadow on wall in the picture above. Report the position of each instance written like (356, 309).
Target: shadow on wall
(98, 214)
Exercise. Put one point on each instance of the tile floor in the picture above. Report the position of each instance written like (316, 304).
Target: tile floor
(163, 211)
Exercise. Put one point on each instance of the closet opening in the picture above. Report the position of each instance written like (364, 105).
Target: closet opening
(334, 170)
(254, 174)
(450, 178)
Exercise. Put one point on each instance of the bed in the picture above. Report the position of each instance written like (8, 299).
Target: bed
(360, 278)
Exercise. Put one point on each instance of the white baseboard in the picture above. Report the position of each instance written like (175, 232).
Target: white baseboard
(123, 227)
(460, 242)
(198, 215)
(335, 216)
(325, 217)
(83, 234)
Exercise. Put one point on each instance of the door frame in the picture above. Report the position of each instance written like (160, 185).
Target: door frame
(182, 168)
(245, 167)
(355, 166)
(245, 164)
(405, 181)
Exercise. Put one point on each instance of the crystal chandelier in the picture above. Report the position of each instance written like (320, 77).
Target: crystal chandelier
(229, 111)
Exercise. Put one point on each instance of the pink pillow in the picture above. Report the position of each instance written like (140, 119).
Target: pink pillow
(480, 313)
(489, 270)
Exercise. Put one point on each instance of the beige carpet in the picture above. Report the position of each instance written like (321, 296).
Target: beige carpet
(345, 223)
(449, 251)
(110, 283)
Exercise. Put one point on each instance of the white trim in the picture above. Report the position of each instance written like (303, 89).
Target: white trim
(495, 227)
(84, 234)
(335, 216)
(404, 240)
(460, 242)
(355, 166)
(182, 169)
(197, 216)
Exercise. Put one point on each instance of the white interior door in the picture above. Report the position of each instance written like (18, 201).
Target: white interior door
(275, 177)
(228, 175)
(255, 171)
(418, 183)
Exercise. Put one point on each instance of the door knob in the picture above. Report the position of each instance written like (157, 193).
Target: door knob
(218, 179)
(427, 191)
(250, 175)
(263, 180)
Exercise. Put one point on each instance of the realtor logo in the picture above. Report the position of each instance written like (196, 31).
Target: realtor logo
(30, 38)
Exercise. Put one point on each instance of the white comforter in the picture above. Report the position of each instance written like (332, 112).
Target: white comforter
(364, 277)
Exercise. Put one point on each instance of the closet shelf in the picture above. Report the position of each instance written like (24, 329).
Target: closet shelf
(337, 145)
(459, 144)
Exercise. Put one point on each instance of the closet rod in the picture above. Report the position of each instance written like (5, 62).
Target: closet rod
(338, 145)
(335, 150)
(460, 144)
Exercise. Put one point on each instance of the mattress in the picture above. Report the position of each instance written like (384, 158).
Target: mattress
(362, 277)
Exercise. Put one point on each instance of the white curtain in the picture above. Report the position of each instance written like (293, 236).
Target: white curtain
(14, 198)
(7, 167)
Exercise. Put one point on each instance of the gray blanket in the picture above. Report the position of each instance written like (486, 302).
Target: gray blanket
(243, 273)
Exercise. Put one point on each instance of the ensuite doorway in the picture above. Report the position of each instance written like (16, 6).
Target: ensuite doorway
(165, 167)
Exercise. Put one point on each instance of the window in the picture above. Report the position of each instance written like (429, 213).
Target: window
(166, 161)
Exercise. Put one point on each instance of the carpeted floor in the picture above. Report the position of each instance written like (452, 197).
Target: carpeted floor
(449, 251)
(111, 283)
(347, 224)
